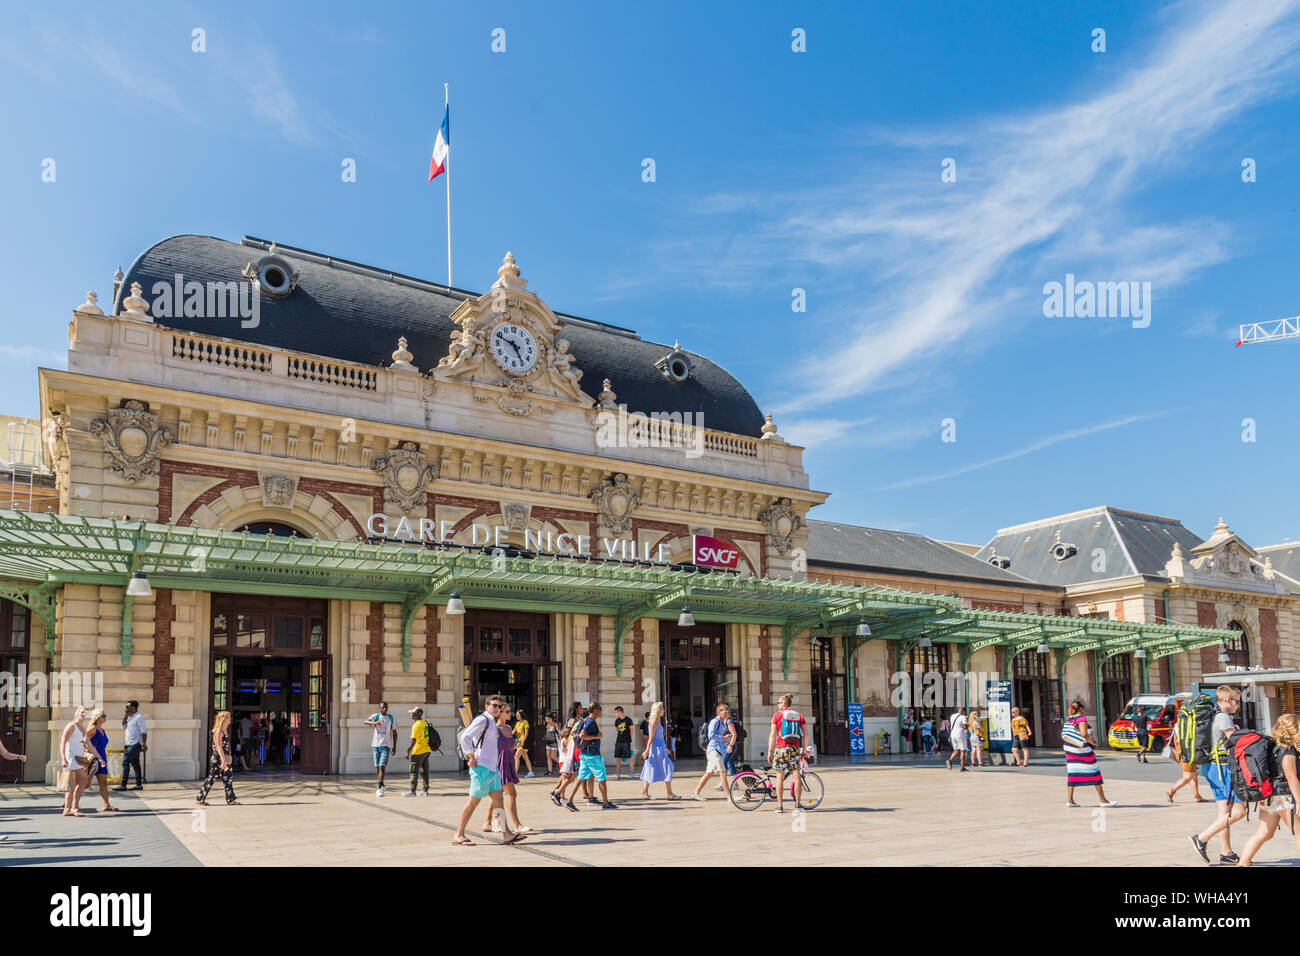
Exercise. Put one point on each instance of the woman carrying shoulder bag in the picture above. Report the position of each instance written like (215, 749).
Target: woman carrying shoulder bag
(1080, 757)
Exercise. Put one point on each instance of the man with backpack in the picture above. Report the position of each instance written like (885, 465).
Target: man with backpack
(717, 738)
(418, 750)
(785, 749)
(591, 765)
(1208, 750)
(477, 746)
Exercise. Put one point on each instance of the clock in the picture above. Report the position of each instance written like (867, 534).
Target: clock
(514, 348)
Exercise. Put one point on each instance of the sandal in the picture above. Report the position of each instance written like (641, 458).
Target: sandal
(1202, 800)
(463, 841)
(76, 813)
(232, 803)
(1170, 795)
(674, 796)
(200, 803)
(514, 838)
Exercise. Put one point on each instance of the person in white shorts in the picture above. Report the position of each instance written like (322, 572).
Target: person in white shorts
(722, 738)
(957, 737)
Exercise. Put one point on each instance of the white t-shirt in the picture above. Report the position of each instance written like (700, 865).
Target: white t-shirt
(383, 730)
(135, 728)
(958, 725)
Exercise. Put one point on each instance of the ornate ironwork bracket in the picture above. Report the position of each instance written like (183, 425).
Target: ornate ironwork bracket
(40, 600)
(625, 618)
(411, 607)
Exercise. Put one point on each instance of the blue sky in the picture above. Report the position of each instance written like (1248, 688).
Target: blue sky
(776, 170)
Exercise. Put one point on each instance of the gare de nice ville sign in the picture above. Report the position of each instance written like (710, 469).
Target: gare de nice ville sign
(706, 551)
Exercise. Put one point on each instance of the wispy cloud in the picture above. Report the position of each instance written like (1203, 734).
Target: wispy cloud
(31, 353)
(1021, 452)
(921, 265)
(818, 432)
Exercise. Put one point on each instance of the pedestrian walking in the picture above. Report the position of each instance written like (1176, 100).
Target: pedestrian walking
(1280, 807)
(220, 763)
(658, 757)
(1020, 732)
(247, 742)
(568, 768)
(785, 748)
(480, 744)
(552, 744)
(957, 730)
(98, 739)
(73, 776)
(1080, 757)
(1188, 768)
(575, 737)
(927, 735)
(520, 735)
(1141, 727)
(418, 750)
(722, 739)
(591, 765)
(737, 749)
(137, 744)
(975, 730)
(622, 743)
(382, 743)
(1218, 774)
(508, 767)
(945, 733)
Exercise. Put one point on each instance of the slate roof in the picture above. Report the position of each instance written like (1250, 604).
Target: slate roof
(355, 313)
(852, 546)
(1131, 544)
(1285, 558)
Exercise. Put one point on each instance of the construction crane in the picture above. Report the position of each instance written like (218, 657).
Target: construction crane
(1270, 331)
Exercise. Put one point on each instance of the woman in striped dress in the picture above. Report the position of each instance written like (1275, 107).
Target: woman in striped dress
(1080, 757)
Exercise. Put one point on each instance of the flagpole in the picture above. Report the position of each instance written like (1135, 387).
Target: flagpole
(446, 93)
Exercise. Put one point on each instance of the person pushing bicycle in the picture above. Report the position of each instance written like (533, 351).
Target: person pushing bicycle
(785, 748)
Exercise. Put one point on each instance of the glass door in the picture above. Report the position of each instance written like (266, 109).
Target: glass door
(315, 724)
(14, 621)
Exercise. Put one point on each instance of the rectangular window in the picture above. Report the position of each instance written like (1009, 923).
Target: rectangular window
(250, 630)
(220, 683)
(218, 630)
(543, 643)
(317, 632)
(288, 633)
(18, 627)
(490, 640)
(521, 641)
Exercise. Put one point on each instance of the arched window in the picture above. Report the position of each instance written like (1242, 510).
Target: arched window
(1238, 646)
(272, 527)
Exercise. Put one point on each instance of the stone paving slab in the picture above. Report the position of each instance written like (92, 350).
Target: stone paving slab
(906, 811)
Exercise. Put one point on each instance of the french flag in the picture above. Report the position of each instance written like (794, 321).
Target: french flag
(438, 164)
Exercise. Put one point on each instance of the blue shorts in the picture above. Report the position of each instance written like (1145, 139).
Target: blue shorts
(591, 768)
(483, 781)
(381, 756)
(1219, 777)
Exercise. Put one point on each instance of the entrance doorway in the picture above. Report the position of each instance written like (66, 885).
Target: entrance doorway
(695, 678)
(1116, 691)
(270, 669)
(15, 630)
(1038, 697)
(509, 653)
(831, 722)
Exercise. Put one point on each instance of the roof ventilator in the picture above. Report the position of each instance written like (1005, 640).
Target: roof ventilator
(274, 274)
(1062, 549)
(998, 562)
(676, 365)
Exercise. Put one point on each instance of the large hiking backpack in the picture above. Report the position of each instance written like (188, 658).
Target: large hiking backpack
(1250, 756)
(702, 738)
(1193, 730)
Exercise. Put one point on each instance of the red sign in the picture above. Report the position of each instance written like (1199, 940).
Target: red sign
(710, 552)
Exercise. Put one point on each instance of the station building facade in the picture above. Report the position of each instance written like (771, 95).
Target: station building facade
(334, 485)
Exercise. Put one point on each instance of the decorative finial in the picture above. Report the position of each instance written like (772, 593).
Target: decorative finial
(136, 304)
(508, 267)
(607, 397)
(89, 307)
(1177, 553)
(402, 356)
(769, 429)
(1221, 527)
(508, 275)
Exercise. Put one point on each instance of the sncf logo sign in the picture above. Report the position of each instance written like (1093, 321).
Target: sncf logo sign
(713, 552)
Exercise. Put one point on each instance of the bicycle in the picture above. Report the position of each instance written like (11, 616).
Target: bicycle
(749, 790)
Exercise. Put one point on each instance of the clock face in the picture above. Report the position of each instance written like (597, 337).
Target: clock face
(514, 348)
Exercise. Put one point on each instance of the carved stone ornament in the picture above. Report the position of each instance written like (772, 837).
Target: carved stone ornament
(407, 473)
(133, 438)
(516, 516)
(782, 522)
(278, 490)
(508, 346)
(615, 501)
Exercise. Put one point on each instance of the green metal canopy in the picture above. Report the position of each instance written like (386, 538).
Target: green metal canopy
(41, 552)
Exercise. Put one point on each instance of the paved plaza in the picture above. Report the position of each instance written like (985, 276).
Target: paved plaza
(898, 811)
